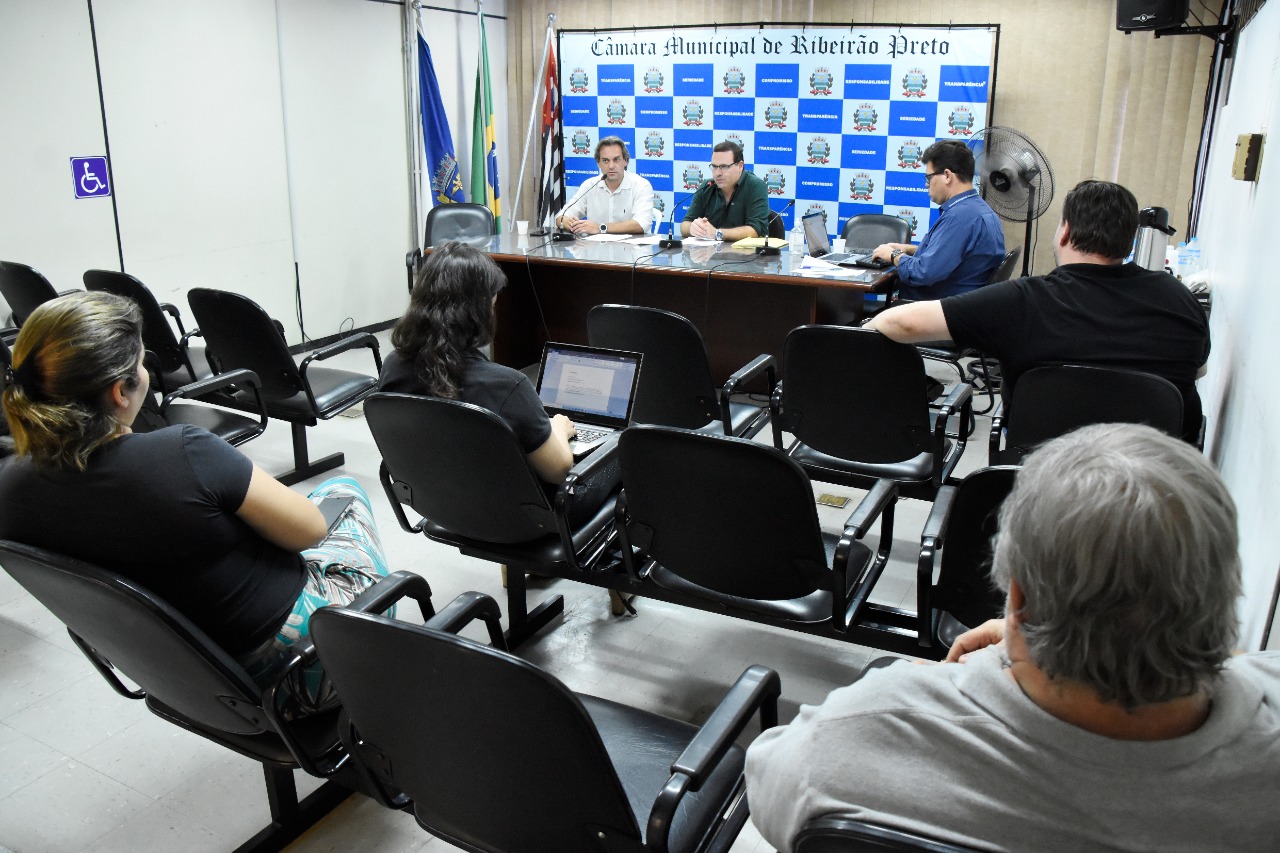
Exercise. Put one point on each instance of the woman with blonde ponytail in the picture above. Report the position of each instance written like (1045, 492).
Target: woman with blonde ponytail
(178, 510)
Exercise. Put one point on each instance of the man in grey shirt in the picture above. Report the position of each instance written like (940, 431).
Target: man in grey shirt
(1105, 711)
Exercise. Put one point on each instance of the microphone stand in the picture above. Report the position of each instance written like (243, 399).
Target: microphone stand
(766, 249)
(674, 242)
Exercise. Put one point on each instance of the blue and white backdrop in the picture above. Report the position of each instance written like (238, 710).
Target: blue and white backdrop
(834, 118)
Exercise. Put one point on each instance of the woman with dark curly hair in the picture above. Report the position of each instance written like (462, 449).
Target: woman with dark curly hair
(437, 354)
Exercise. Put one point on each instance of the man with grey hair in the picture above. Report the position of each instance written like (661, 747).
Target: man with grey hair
(614, 202)
(1105, 711)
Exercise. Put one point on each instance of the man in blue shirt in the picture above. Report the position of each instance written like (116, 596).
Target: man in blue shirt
(966, 243)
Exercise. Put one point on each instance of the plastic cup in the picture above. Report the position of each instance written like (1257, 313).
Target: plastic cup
(522, 226)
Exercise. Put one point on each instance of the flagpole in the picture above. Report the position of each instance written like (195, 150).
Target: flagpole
(533, 111)
(413, 118)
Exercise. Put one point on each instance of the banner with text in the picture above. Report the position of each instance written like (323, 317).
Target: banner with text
(834, 118)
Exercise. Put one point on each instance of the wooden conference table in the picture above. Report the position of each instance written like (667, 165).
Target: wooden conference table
(744, 304)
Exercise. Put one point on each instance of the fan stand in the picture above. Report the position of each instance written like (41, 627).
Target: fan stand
(1026, 239)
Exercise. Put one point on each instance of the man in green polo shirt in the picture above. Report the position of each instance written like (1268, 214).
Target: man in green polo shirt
(733, 205)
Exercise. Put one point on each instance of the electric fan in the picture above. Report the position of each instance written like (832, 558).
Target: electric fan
(1014, 177)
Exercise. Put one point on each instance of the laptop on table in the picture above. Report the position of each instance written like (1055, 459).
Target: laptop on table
(592, 386)
(815, 234)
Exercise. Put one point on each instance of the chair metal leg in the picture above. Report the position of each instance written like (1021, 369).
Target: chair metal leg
(524, 624)
(303, 468)
(290, 818)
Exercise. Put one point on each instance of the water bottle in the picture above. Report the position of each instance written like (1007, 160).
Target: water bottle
(1193, 257)
(797, 237)
(1184, 260)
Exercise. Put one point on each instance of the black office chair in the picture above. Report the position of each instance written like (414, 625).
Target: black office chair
(855, 402)
(848, 835)
(777, 228)
(864, 231)
(25, 289)
(461, 468)
(241, 335)
(497, 755)
(730, 525)
(1051, 401)
(961, 524)
(676, 388)
(198, 404)
(468, 223)
(868, 230)
(189, 681)
(982, 373)
(179, 363)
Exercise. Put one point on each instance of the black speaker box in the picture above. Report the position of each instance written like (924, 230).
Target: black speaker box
(1150, 14)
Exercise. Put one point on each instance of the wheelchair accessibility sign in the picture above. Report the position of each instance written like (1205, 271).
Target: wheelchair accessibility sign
(89, 174)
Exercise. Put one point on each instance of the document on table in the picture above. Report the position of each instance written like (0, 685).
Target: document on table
(645, 240)
(606, 238)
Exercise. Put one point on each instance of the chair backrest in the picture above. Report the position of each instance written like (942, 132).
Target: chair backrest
(675, 388)
(495, 753)
(728, 514)
(157, 647)
(868, 230)
(24, 289)
(964, 587)
(459, 466)
(854, 394)
(848, 835)
(240, 334)
(157, 334)
(1051, 401)
(1004, 271)
(467, 223)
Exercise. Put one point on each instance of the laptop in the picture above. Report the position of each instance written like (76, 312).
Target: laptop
(815, 234)
(594, 387)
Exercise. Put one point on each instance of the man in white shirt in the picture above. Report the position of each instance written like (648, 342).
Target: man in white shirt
(1104, 712)
(616, 202)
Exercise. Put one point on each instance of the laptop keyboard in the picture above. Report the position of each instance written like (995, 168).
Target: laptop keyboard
(585, 436)
(850, 255)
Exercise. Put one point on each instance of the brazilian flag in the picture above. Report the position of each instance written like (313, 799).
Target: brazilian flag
(484, 146)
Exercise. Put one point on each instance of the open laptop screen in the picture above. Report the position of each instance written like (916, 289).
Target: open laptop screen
(592, 385)
(815, 234)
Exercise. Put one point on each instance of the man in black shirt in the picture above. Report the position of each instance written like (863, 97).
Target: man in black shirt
(1093, 309)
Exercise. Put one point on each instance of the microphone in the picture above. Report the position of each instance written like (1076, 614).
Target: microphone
(766, 249)
(674, 242)
(563, 235)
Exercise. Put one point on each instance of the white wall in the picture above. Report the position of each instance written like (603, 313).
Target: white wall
(245, 135)
(1238, 237)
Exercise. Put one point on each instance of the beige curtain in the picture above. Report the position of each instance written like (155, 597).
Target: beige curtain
(1098, 103)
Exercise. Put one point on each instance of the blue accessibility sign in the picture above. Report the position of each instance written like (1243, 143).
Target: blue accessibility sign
(89, 174)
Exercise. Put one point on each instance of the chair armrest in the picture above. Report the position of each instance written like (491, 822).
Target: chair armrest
(757, 688)
(882, 494)
(582, 472)
(389, 489)
(749, 371)
(172, 310)
(194, 390)
(931, 539)
(775, 415)
(395, 586)
(997, 433)
(362, 339)
(465, 609)
(375, 599)
(880, 502)
(959, 400)
(412, 258)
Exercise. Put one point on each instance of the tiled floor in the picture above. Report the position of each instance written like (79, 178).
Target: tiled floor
(82, 769)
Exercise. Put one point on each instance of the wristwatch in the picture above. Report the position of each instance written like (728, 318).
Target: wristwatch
(604, 229)
(719, 235)
(894, 255)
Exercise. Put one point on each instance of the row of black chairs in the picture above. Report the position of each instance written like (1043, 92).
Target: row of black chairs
(246, 365)
(432, 734)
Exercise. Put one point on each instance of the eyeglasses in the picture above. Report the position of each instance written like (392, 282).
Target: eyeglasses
(929, 175)
(716, 167)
